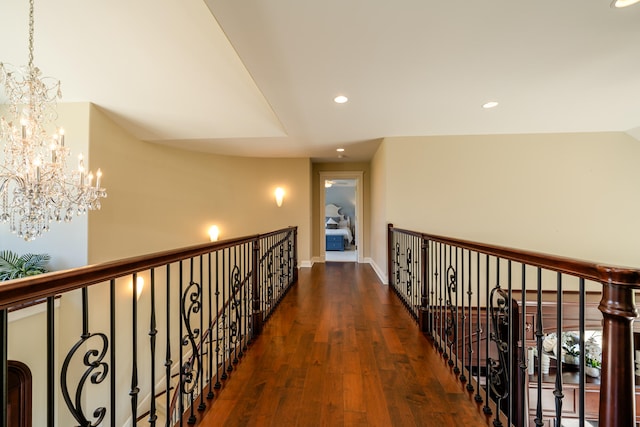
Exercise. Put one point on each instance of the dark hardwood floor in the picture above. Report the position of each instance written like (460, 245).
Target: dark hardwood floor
(341, 350)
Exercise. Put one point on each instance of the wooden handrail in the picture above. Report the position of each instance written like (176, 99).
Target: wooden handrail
(588, 270)
(20, 291)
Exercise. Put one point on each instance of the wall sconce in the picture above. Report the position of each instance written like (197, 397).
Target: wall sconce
(214, 233)
(279, 196)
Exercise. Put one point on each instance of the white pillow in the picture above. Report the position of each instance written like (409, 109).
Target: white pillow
(332, 221)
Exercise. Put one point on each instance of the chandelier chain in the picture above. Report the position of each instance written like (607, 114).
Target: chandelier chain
(30, 33)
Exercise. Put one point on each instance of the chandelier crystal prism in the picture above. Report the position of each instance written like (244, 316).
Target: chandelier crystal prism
(35, 187)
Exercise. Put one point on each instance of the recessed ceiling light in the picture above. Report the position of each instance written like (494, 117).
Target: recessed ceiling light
(339, 150)
(340, 99)
(623, 3)
(490, 104)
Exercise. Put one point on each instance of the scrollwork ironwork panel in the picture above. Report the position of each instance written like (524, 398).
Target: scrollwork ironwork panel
(191, 369)
(498, 378)
(96, 371)
(451, 323)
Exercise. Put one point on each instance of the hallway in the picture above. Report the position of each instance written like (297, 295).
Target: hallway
(341, 350)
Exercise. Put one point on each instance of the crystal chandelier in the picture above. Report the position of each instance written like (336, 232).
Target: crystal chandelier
(35, 188)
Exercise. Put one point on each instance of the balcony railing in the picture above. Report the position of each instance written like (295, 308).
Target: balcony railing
(121, 351)
(523, 330)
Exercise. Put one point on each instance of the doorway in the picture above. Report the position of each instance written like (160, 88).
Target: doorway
(341, 216)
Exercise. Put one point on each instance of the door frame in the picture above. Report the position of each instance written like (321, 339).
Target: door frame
(358, 177)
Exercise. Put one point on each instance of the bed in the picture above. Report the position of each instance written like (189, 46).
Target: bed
(338, 232)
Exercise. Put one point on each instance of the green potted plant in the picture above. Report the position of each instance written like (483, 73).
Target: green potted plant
(13, 266)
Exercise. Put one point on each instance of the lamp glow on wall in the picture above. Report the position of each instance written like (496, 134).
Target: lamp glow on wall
(214, 233)
(139, 286)
(623, 3)
(279, 193)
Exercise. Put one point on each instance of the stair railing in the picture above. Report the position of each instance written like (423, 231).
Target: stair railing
(150, 353)
(521, 329)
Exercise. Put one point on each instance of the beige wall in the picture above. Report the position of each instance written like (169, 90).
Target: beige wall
(379, 212)
(315, 204)
(569, 194)
(162, 197)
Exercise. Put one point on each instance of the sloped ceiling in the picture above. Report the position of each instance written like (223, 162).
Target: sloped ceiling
(258, 77)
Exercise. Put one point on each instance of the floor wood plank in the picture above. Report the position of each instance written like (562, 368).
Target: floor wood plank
(341, 350)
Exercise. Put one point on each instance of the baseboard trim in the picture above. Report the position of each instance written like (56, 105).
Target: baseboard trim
(383, 277)
(306, 264)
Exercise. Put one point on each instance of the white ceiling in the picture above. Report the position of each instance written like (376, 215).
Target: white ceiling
(258, 77)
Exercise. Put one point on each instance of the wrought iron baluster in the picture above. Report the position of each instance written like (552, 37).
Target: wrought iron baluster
(433, 284)
(410, 282)
(112, 334)
(290, 258)
(181, 358)
(487, 409)
(51, 365)
(510, 344)
(441, 302)
(439, 297)
(230, 324)
(499, 338)
(263, 278)
(257, 297)
(223, 316)
(478, 397)
(470, 339)
(396, 264)
(281, 271)
(524, 368)
(209, 330)
(245, 308)
(455, 306)
(424, 283)
(558, 392)
(152, 343)
(460, 345)
(218, 385)
(190, 371)
(236, 304)
(416, 268)
(539, 335)
(96, 371)
(202, 405)
(582, 379)
(451, 330)
(497, 380)
(248, 295)
(135, 390)
(270, 281)
(167, 360)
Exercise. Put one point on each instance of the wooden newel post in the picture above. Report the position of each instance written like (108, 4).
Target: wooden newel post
(256, 316)
(424, 302)
(617, 383)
